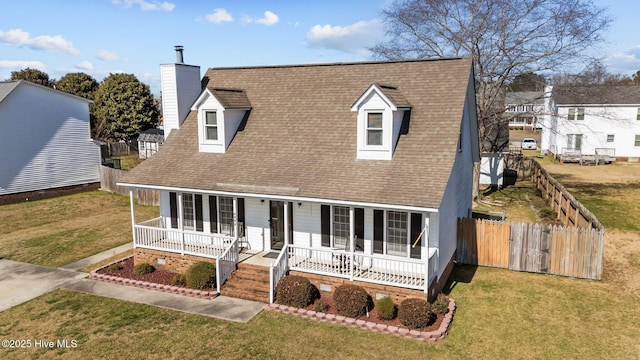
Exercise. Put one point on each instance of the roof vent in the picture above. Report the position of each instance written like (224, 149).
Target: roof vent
(179, 58)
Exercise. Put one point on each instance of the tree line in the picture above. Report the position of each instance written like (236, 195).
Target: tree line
(122, 106)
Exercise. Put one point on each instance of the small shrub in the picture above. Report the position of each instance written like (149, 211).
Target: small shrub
(386, 309)
(320, 306)
(201, 275)
(115, 267)
(142, 269)
(441, 305)
(415, 313)
(180, 280)
(351, 300)
(297, 291)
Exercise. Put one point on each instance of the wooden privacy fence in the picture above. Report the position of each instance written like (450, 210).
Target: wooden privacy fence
(570, 211)
(549, 249)
(108, 179)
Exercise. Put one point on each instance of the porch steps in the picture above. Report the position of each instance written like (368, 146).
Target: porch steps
(249, 282)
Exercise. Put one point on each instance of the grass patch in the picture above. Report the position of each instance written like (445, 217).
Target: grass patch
(516, 201)
(61, 230)
(128, 162)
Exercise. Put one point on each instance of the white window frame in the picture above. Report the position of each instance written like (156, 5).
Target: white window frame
(367, 128)
(188, 212)
(637, 141)
(399, 232)
(575, 114)
(207, 126)
(340, 226)
(611, 138)
(225, 215)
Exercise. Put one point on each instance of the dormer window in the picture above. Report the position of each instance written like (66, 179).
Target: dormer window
(211, 125)
(381, 111)
(374, 129)
(220, 112)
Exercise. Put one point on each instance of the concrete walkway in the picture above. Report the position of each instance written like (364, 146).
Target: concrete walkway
(21, 282)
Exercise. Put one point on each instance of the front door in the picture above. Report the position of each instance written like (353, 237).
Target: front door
(276, 224)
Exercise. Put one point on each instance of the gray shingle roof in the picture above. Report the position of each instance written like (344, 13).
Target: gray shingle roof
(152, 135)
(231, 98)
(597, 95)
(525, 97)
(300, 138)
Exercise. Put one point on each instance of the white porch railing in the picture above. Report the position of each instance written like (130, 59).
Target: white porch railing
(377, 269)
(226, 263)
(278, 270)
(152, 234)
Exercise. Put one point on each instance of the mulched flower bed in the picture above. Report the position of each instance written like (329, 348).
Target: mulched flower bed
(157, 277)
(373, 315)
(434, 333)
(158, 280)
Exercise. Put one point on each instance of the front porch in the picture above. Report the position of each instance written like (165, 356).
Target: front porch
(381, 245)
(226, 251)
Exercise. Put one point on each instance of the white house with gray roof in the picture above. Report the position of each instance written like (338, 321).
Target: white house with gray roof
(349, 172)
(595, 120)
(45, 140)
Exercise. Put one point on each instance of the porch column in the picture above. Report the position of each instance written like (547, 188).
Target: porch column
(133, 216)
(352, 244)
(180, 224)
(286, 223)
(235, 217)
(426, 252)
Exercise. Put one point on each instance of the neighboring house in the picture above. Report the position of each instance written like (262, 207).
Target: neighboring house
(524, 108)
(599, 120)
(45, 141)
(368, 164)
(149, 142)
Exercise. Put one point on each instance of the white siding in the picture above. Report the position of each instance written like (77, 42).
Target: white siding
(619, 121)
(492, 169)
(180, 87)
(456, 202)
(45, 141)
(257, 222)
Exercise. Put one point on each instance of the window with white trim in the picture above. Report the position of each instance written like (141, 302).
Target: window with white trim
(226, 215)
(637, 142)
(576, 114)
(610, 138)
(574, 141)
(397, 233)
(188, 212)
(211, 126)
(340, 226)
(374, 129)
(638, 114)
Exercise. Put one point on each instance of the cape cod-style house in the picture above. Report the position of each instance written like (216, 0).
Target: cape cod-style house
(347, 171)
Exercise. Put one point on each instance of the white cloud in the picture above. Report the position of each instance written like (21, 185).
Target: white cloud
(21, 64)
(85, 65)
(628, 61)
(43, 42)
(146, 5)
(354, 38)
(219, 16)
(107, 56)
(269, 19)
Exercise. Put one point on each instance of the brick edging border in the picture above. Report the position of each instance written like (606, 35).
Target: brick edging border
(428, 336)
(171, 289)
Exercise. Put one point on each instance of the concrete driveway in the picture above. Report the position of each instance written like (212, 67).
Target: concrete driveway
(20, 282)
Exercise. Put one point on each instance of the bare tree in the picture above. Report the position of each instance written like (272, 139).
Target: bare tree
(504, 38)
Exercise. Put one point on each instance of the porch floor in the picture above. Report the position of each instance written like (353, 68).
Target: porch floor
(255, 257)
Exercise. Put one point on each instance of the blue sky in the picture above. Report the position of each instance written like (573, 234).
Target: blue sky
(100, 37)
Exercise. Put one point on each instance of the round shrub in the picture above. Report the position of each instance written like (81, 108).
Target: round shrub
(143, 268)
(441, 305)
(415, 313)
(201, 275)
(386, 309)
(296, 291)
(351, 300)
(180, 280)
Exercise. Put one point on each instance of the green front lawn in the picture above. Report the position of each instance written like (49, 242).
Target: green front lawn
(61, 230)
